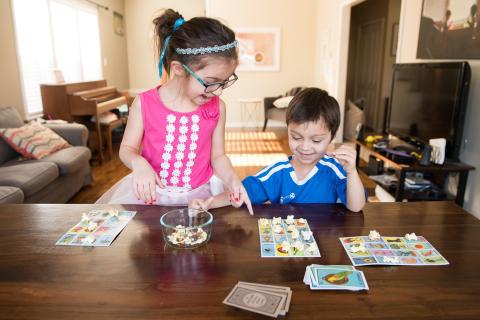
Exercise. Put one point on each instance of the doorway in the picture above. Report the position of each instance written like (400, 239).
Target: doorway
(371, 56)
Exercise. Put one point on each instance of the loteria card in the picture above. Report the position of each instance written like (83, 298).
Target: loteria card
(338, 279)
(310, 272)
(334, 277)
(403, 251)
(286, 238)
(98, 228)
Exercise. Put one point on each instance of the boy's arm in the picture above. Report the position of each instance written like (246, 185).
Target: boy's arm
(355, 191)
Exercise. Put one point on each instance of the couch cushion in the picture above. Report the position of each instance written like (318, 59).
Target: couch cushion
(33, 140)
(277, 114)
(283, 102)
(69, 160)
(30, 175)
(9, 118)
(11, 195)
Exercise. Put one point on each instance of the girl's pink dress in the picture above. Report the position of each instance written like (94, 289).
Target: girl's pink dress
(178, 147)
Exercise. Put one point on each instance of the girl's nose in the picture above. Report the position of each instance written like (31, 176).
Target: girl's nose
(218, 92)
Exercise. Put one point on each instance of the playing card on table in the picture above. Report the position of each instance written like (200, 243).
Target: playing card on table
(320, 277)
(310, 274)
(259, 301)
(271, 288)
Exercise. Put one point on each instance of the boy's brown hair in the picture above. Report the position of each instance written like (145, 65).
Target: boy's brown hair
(313, 104)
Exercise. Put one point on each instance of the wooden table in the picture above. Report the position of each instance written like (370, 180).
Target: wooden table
(139, 277)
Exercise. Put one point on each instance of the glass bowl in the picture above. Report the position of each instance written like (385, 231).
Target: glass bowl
(186, 228)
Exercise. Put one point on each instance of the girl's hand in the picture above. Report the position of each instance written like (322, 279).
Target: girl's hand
(144, 180)
(347, 157)
(200, 204)
(238, 196)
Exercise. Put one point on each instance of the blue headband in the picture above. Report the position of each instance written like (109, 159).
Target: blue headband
(176, 25)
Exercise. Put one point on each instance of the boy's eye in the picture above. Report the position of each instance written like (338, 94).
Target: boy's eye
(295, 138)
(317, 141)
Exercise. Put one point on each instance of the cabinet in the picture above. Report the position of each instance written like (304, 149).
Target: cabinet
(436, 173)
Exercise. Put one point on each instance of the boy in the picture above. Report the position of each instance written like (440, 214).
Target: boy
(310, 174)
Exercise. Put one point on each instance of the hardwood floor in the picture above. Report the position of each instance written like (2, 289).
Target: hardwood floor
(248, 150)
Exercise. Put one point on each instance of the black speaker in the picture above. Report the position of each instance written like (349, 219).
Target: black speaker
(425, 160)
(375, 166)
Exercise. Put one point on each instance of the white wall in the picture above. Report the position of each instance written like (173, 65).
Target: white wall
(408, 37)
(331, 58)
(296, 20)
(113, 46)
(10, 85)
(142, 66)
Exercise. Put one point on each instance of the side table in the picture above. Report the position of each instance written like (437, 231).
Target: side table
(250, 110)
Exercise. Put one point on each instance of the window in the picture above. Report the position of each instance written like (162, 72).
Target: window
(55, 35)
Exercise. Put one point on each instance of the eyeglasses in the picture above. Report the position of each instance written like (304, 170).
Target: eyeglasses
(212, 87)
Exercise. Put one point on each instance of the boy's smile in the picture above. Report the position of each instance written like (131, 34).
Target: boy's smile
(308, 142)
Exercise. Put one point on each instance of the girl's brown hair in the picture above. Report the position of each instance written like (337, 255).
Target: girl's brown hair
(194, 33)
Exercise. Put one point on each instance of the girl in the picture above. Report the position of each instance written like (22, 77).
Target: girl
(174, 139)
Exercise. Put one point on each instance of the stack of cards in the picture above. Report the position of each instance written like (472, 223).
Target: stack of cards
(320, 277)
(265, 299)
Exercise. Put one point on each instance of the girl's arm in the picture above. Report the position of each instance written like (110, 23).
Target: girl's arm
(144, 177)
(355, 191)
(220, 200)
(221, 163)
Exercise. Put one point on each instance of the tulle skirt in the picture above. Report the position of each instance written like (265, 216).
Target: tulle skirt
(122, 193)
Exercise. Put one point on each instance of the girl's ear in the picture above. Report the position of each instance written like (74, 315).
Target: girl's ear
(177, 69)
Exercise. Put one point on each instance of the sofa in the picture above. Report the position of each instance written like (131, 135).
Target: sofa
(53, 179)
(274, 113)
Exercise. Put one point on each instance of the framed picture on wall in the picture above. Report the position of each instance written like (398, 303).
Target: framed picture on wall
(259, 49)
(449, 29)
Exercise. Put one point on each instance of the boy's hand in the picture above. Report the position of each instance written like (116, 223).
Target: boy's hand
(200, 204)
(238, 196)
(145, 180)
(347, 157)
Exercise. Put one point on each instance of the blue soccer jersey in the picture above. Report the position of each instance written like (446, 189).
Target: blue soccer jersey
(278, 183)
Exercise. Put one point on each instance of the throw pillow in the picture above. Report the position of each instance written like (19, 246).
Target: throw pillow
(33, 140)
(353, 117)
(282, 102)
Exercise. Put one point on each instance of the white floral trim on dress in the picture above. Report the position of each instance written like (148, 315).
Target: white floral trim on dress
(180, 153)
(167, 149)
(195, 128)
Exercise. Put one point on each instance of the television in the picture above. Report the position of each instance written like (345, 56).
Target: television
(427, 101)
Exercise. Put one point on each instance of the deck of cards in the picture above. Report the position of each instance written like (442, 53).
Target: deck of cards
(342, 277)
(264, 299)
